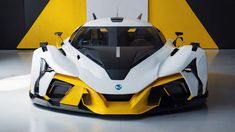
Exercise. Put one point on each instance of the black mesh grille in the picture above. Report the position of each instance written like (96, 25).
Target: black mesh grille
(154, 95)
(125, 97)
(57, 90)
(116, 19)
(176, 91)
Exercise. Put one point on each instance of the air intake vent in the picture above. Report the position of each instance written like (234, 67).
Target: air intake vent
(58, 89)
(178, 90)
(117, 19)
(125, 97)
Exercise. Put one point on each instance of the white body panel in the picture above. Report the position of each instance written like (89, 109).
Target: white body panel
(45, 82)
(138, 78)
(159, 64)
(106, 22)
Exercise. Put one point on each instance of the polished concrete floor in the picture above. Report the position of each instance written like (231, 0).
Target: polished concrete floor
(18, 114)
(13, 63)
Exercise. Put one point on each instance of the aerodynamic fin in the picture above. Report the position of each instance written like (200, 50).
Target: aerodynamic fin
(140, 16)
(94, 16)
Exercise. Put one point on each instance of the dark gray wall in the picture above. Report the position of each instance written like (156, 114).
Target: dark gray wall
(218, 17)
(12, 23)
(17, 16)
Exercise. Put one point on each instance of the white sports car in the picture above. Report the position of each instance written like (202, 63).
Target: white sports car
(118, 66)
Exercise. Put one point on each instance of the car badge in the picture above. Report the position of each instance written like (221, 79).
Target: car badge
(118, 87)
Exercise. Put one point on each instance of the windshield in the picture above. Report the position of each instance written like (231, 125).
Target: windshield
(118, 36)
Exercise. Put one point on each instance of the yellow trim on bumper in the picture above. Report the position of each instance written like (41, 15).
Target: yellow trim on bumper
(46, 97)
(97, 103)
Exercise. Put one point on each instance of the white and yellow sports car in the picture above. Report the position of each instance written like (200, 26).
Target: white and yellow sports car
(118, 66)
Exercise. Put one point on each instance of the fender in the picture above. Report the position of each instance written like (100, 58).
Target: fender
(181, 59)
(56, 60)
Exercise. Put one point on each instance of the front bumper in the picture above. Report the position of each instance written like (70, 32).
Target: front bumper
(162, 95)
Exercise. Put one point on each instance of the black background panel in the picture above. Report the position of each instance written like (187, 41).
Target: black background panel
(17, 16)
(218, 17)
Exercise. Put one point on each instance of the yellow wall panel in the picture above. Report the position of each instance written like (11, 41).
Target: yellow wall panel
(66, 15)
(176, 15)
(58, 15)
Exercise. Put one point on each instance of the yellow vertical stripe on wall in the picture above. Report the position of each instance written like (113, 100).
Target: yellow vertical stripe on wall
(58, 15)
(176, 15)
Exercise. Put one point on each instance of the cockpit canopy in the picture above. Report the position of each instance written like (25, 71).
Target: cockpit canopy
(117, 44)
(118, 37)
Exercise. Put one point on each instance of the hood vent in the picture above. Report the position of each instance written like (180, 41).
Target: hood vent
(116, 19)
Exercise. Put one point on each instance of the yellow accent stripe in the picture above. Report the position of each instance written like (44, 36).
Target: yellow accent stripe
(176, 15)
(58, 15)
(190, 97)
(46, 97)
(74, 95)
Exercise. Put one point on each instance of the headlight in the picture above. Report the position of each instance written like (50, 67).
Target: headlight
(44, 67)
(191, 67)
(188, 69)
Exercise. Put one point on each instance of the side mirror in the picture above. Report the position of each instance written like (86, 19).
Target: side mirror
(59, 34)
(178, 36)
(179, 33)
(195, 44)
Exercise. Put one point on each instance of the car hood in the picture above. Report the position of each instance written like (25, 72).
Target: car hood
(139, 76)
(118, 61)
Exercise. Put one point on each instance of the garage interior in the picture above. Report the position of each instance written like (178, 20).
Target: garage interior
(26, 23)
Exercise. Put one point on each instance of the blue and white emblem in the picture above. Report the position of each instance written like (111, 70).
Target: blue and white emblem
(118, 87)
